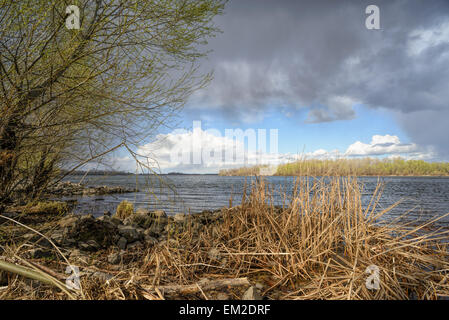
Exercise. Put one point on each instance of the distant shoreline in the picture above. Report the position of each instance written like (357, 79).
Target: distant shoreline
(121, 173)
(366, 176)
(371, 167)
(250, 175)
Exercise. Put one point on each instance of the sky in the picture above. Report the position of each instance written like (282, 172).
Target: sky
(312, 72)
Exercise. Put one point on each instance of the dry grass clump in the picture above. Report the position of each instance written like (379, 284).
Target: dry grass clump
(46, 207)
(316, 247)
(124, 210)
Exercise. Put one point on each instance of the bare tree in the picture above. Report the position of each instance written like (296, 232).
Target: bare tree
(68, 96)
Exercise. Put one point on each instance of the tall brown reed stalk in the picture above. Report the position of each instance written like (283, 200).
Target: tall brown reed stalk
(318, 246)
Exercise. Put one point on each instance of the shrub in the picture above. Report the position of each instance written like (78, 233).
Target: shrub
(124, 210)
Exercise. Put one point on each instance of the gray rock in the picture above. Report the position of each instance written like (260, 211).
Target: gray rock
(93, 244)
(76, 254)
(70, 242)
(68, 221)
(31, 236)
(180, 217)
(39, 253)
(175, 228)
(89, 245)
(103, 276)
(149, 240)
(162, 221)
(143, 220)
(89, 191)
(128, 221)
(169, 243)
(57, 236)
(159, 214)
(102, 232)
(143, 211)
(87, 217)
(105, 219)
(155, 230)
(37, 239)
(130, 233)
(252, 294)
(116, 221)
(134, 245)
(114, 258)
(122, 243)
(84, 246)
(222, 296)
(259, 286)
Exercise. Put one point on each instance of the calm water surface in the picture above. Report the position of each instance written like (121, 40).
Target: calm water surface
(422, 198)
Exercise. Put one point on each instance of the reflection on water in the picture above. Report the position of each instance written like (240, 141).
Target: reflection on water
(424, 197)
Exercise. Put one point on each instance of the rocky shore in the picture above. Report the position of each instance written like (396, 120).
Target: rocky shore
(143, 228)
(87, 233)
(74, 189)
(105, 245)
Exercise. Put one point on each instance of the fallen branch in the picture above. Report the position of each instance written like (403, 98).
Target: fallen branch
(52, 273)
(203, 286)
(33, 274)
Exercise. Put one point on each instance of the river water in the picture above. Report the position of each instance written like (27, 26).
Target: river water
(422, 198)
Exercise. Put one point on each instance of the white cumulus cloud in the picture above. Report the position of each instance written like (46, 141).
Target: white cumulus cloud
(208, 151)
(381, 145)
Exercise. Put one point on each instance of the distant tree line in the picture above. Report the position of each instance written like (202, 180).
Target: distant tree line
(358, 167)
(95, 173)
(243, 171)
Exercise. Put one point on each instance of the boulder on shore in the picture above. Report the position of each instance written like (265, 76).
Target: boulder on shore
(86, 232)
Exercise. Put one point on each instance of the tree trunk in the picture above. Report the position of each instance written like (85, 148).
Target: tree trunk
(8, 160)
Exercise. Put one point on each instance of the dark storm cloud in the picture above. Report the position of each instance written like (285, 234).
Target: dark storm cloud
(319, 55)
